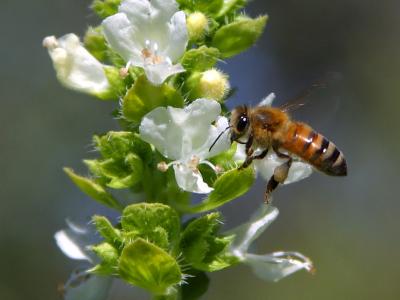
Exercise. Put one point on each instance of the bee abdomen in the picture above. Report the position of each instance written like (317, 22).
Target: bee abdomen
(315, 149)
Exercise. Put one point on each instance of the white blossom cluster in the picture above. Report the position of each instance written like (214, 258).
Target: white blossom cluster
(153, 36)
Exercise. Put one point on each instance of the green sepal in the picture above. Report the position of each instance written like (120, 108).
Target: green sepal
(200, 59)
(117, 174)
(143, 97)
(111, 234)
(162, 187)
(105, 8)
(93, 190)
(209, 7)
(145, 265)
(229, 186)
(201, 246)
(239, 35)
(118, 144)
(117, 83)
(231, 6)
(109, 259)
(95, 43)
(153, 221)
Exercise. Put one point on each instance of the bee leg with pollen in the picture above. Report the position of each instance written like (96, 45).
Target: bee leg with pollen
(280, 174)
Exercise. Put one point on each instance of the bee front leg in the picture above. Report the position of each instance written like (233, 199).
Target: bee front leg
(280, 174)
(249, 153)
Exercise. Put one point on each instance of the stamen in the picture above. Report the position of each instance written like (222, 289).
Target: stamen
(193, 163)
(162, 166)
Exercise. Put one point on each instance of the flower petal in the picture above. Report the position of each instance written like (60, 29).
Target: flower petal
(82, 285)
(298, 171)
(181, 133)
(74, 242)
(123, 38)
(267, 101)
(246, 233)
(157, 73)
(190, 180)
(224, 142)
(177, 36)
(277, 265)
(148, 12)
(76, 68)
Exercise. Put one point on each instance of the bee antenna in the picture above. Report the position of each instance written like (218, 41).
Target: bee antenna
(218, 137)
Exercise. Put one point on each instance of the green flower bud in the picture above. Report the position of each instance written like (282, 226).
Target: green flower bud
(105, 8)
(197, 25)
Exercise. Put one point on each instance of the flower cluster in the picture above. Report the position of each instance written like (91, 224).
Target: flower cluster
(158, 59)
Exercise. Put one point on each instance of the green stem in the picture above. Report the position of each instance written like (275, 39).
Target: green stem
(173, 295)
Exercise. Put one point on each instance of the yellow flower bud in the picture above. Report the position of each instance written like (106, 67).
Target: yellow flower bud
(197, 24)
(213, 84)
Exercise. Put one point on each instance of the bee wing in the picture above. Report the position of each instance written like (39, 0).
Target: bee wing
(303, 97)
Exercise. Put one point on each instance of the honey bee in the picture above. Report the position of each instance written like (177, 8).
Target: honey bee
(266, 127)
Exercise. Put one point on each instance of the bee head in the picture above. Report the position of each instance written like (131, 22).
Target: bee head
(239, 122)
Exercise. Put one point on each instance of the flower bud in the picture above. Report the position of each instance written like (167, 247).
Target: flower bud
(197, 24)
(211, 84)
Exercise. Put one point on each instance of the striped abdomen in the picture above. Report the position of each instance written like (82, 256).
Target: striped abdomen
(315, 149)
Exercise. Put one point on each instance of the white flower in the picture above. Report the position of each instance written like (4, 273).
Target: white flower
(76, 68)
(273, 266)
(149, 34)
(266, 166)
(185, 136)
(82, 285)
(75, 242)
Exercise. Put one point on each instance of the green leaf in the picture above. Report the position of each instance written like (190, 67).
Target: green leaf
(109, 259)
(201, 246)
(107, 231)
(210, 7)
(93, 190)
(200, 59)
(230, 6)
(105, 8)
(227, 187)
(143, 97)
(239, 35)
(148, 266)
(154, 221)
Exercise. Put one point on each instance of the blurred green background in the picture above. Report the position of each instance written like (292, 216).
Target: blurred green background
(348, 226)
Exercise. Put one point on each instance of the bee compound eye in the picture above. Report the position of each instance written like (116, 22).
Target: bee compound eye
(242, 123)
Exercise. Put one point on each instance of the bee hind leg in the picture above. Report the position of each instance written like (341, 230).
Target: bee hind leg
(280, 174)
